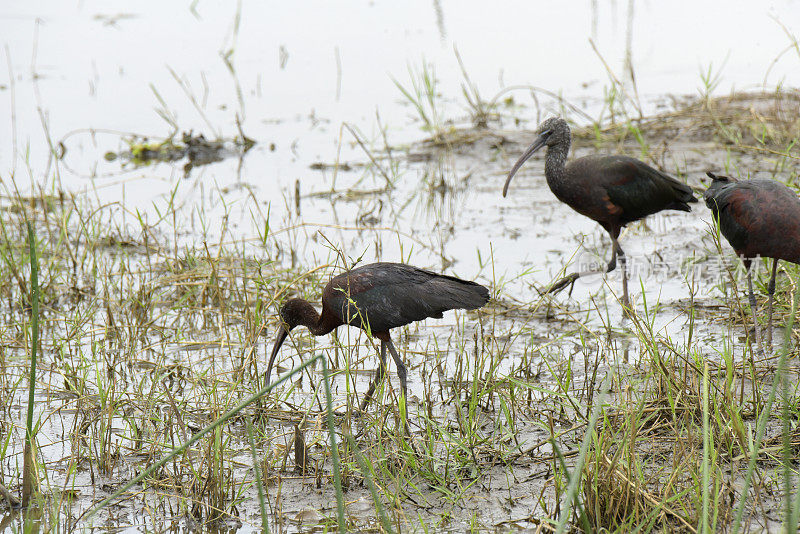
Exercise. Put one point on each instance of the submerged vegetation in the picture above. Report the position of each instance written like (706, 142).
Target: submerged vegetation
(195, 148)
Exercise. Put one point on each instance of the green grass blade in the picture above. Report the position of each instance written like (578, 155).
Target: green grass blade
(367, 472)
(575, 478)
(704, 528)
(28, 469)
(262, 503)
(337, 469)
(766, 412)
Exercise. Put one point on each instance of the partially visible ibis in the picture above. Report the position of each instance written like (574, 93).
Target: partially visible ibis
(612, 190)
(376, 298)
(759, 218)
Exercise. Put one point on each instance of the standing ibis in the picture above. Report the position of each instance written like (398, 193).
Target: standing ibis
(758, 218)
(612, 190)
(376, 298)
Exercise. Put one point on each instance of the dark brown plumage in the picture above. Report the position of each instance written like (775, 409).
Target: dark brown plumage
(612, 190)
(759, 218)
(376, 298)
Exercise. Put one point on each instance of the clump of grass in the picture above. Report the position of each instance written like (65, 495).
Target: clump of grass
(481, 112)
(422, 93)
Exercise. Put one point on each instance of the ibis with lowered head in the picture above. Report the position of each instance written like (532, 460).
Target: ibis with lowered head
(376, 298)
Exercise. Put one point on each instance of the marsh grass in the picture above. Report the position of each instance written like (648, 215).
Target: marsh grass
(146, 343)
(422, 93)
(526, 414)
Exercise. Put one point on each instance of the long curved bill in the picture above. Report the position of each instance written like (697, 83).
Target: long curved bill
(282, 333)
(539, 143)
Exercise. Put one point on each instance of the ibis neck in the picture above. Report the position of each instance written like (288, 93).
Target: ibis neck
(315, 322)
(555, 162)
(319, 328)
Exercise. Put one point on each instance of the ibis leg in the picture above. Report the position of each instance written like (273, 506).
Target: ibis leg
(401, 368)
(570, 279)
(626, 302)
(771, 291)
(753, 311)
(614, 248)
(379, 374)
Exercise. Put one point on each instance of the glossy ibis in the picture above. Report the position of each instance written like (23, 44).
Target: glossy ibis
(758, 218)
(612, 190)
(376, 298)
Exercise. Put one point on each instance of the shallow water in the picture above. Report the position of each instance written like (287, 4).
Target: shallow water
(86, 76)
(87, 67)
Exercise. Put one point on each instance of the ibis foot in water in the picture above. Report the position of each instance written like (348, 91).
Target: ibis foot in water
(571, 278)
